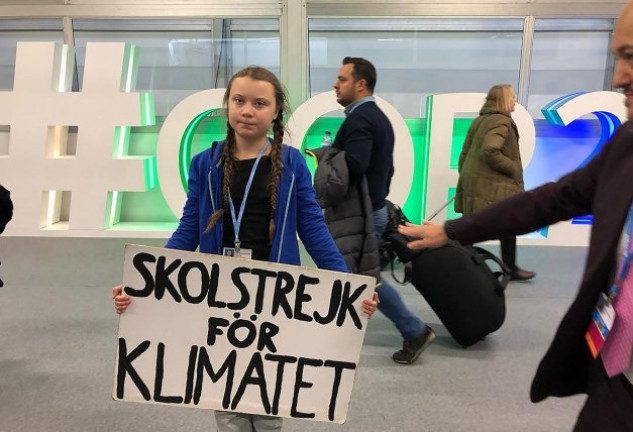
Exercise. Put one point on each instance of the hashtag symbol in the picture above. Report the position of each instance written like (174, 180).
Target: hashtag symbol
(39, 110)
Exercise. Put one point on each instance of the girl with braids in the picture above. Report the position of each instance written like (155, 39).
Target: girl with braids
(250, 196)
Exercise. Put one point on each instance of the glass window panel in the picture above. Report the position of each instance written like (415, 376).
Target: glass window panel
(415, 58)
(568, 56)
(179, 58)
(14, 31)
(259, 48)
(255, 42)
(573, 24)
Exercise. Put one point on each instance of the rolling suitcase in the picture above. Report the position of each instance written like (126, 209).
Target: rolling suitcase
(459, 285)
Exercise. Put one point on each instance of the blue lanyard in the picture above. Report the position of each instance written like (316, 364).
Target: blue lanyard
(627, 257)
(237, 221)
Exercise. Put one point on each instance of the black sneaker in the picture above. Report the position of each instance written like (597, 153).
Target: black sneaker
(411, 349)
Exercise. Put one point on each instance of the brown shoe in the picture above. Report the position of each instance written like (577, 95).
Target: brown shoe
(411, 349)
(522, 275)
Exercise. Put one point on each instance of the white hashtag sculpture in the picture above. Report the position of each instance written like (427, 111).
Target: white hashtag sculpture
(39, 110)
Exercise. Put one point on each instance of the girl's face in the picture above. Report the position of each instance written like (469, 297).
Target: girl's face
(251, 108)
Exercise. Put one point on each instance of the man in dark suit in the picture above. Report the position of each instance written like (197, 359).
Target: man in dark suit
(366, 136)
(604, 188)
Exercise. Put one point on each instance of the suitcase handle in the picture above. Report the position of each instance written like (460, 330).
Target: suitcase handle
(407, 269)
(503, 276)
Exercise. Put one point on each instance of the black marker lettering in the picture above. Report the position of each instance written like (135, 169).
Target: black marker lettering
(227, 367)
(213, 287)
(215, 325)
(281, 363)
(248, 338)
(300, 383)
(284, 285)
(125, 368)
(184, 287)
(158, 378)
(335, 301)
(267, 331)
(191, 368)
(338, 371)
(301, 297)
(347, 305)
(237, 281)
(139, 261)
(261, 285)
(163, 283)
(254, 375)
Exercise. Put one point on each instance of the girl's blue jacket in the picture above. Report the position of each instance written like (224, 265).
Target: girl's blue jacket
(297, 212)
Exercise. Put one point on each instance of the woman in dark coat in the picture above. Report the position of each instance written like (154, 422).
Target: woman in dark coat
(490, 165)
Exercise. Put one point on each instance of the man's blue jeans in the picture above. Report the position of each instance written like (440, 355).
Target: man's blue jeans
(408, 324)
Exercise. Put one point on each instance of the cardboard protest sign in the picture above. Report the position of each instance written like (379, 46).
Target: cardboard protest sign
(233, 334)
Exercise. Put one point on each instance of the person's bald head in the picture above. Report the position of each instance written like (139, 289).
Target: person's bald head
(623, 49)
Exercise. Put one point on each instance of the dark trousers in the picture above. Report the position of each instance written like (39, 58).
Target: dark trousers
(509, 252)
(609, 404)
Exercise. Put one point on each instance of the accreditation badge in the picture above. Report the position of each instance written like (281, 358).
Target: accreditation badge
(601, 323)
(239, 253)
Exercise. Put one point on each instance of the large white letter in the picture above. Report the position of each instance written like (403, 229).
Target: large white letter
(39, 110)
(174, 143)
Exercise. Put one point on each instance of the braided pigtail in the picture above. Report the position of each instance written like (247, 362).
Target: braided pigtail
(229, 163)
(215, 217)
(275, 171)
(228, 155)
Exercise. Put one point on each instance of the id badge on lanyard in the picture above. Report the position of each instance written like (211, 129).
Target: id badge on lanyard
(601, 323)
(604, 314)
(237, 250)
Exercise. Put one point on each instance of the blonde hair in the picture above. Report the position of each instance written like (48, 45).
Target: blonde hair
(503, 97)
(259, 74)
